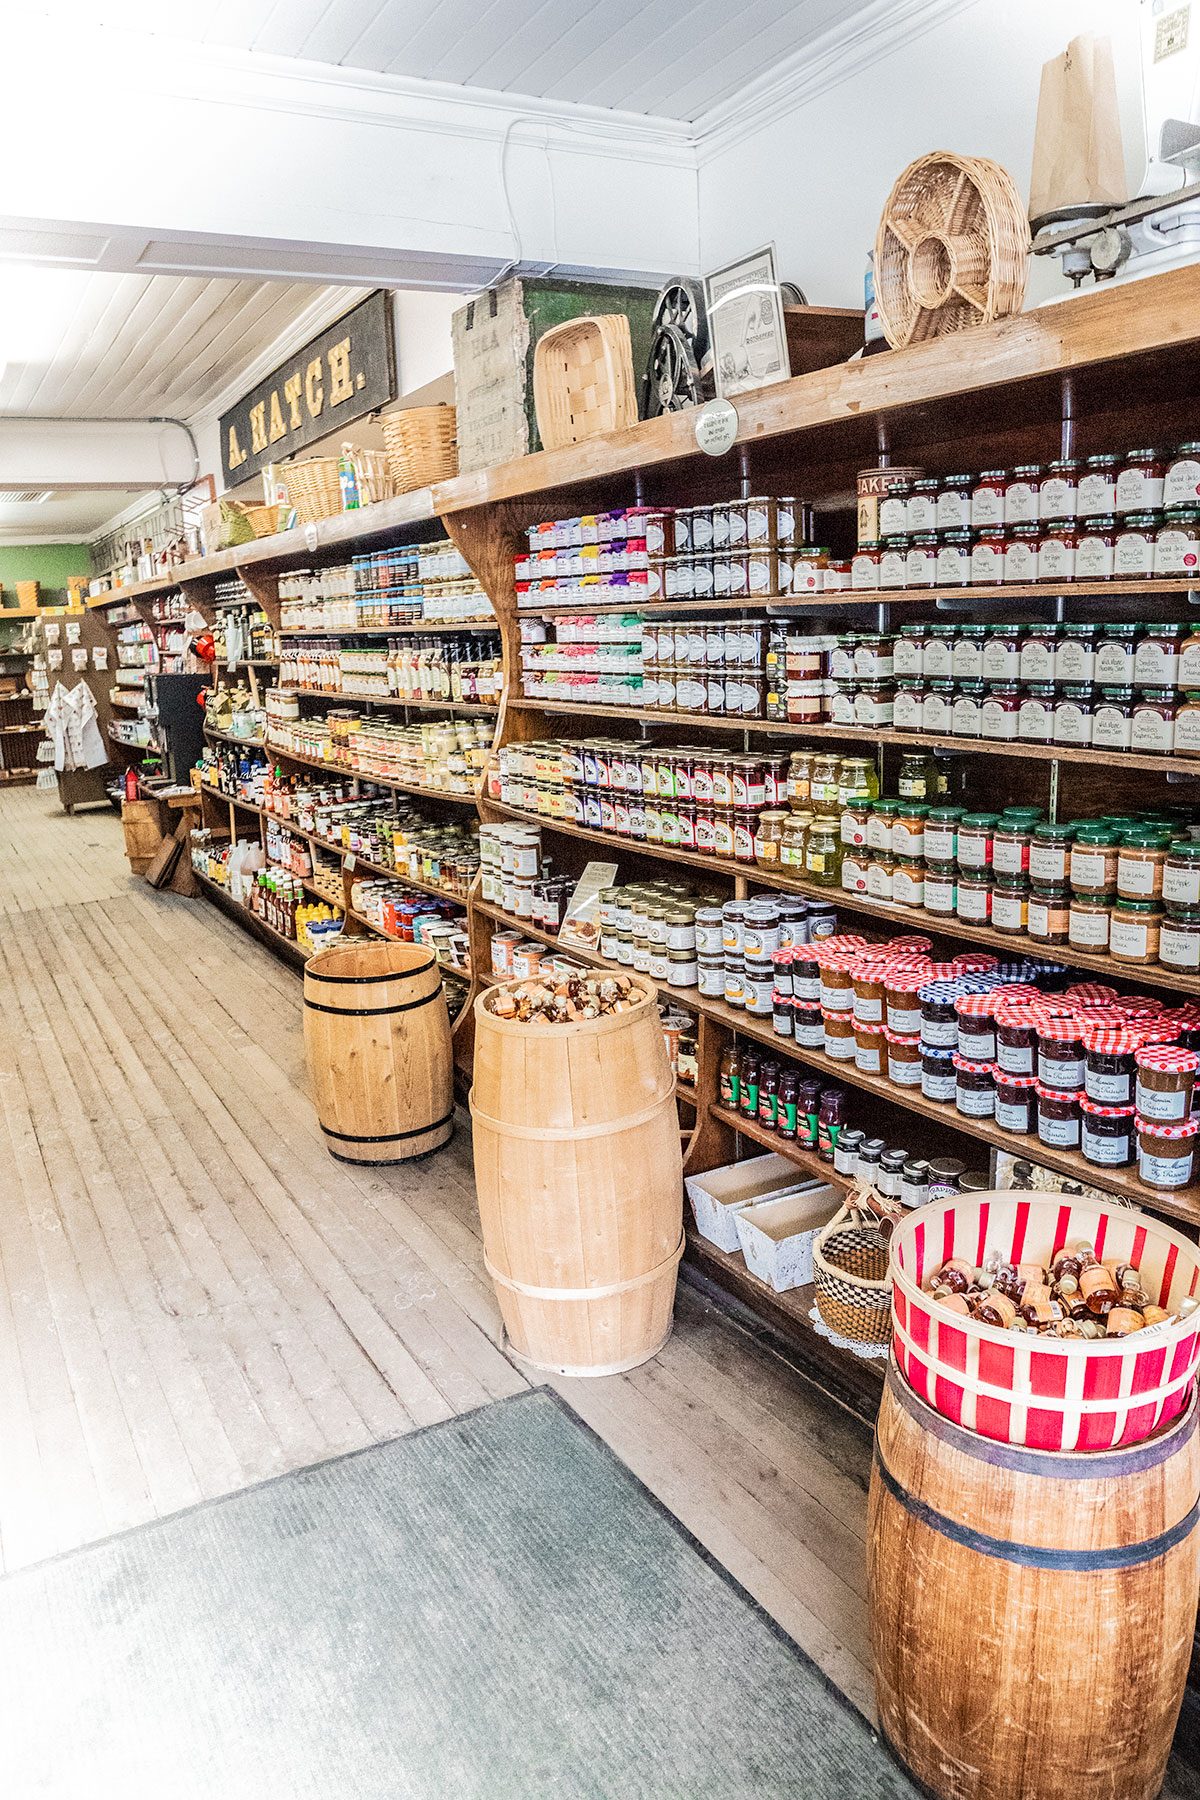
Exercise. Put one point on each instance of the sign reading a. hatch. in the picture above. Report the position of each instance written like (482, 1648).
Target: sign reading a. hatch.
(349, 370)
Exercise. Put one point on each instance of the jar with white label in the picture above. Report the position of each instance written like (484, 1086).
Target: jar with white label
(1056, 554)
(937, 711)
(954, 559)
(974, 1087)
(1166, 1080)
(1095, 550)
(1022, 495)
(1152, 726)
(987, 498)
(1181, 875)
(1039, 653)
(999, 713)
(987, 556)
(908, 708)
(1112, 719)
(1059, 495)
(1156, 660)
(1133, 931)
(1179, 938)
(966, 652)
(1106, 1134)
(908, 652)
(1088, 921)
(937, 657)
(1141, 863)
(1073, 714)
(1021, 552)
(1035, 720)
(1057, 1118)
(1141, 480)
(1177, 548)
(864, 567)
(1165, 1152)
(954, 502)
(1098, 485)
(1135, 546)
(1181, 486)
(966, 714)
(1075, 653)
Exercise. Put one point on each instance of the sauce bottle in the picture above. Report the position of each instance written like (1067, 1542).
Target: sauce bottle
(768, 1095)
(750, 1083)
(730, 1079)
(789, 1102)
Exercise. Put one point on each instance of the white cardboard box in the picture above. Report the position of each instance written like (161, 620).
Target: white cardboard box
(777, 1235)
(718, 1195)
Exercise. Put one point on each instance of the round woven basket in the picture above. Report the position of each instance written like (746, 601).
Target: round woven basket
(421, 445)
(314, 488)
(850, 1272)
(264, 520)
(952, 248)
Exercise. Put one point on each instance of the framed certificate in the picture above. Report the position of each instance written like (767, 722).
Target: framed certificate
(746, 324)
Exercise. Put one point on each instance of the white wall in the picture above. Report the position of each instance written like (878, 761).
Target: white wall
(815, 179)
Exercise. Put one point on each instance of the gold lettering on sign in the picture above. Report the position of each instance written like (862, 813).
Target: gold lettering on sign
(340, 385)
(258, 427)
(314, 393)
(291, 393)
(237, 455)
(278, 428)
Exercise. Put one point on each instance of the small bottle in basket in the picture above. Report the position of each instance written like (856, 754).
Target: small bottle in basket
(955, 1274)
(1121, 1321)
(996, 1309)
(1099, 1289)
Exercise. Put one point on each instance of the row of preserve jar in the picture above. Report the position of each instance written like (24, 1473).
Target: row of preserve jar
(1140, 546)
(1152, 721)
(1068, 488)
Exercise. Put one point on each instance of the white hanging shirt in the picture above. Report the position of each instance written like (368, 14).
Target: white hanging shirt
(71, 724)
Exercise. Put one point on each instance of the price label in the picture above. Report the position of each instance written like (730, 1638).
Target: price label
(350, 864)
(310, 535)
(716, 427)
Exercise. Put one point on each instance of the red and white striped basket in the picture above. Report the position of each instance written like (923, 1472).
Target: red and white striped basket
(1049, 1393)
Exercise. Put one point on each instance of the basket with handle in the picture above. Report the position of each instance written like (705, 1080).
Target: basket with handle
(421, 445)
(314, 488)
(264, 519)
(372, 473)
(850, 1268)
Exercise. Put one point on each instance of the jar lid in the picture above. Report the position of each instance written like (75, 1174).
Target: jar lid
(1134, 455)
(1090, 991)
(915, 941)
(937, 1052)
(946, 814)
(901, 1037)
(1056, 833)
(1102, 460)
(975, 1006)
(978, 960)
(1028, 469)
(972, 1068)
(782, 958)
(1188, 849)
(1052, 1093)
(1111, 1040)
(980, 818)
(1058, 1029)
(907, 981)
(1018, 1081)
(1157, 1128)
(1136, 906)
(1146, 837)
(912, 810)
(867, 1026)
(842, 1018)
(1168, 1059)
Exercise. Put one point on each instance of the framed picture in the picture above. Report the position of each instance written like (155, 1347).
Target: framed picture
(746, 324)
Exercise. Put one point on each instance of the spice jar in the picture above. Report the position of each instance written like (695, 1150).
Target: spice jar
(1109, 1069)
(1106, 1134)
(1015, 1101)
(1057, 1118)
(1141, 863)
(1133, 931)
(1165, 1152)
(1166, 1077)
(974, 1088)
(903, 1059)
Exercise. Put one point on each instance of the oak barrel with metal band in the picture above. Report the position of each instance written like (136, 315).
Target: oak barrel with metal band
(1032, 1611)
(377, 1039)
(580, 1184)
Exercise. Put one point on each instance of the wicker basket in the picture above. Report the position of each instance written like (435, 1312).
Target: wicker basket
(371, 473)
(952, 248)
(422, 445)
(850, 1269)
(314, 488)
(264, 520)
(583, 380)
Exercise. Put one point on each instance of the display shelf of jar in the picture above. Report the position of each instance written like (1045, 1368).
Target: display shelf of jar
(228, 737)
(940, 924)
(132, 700)
(404, 787)
(808, 1160)
(464, 706)
(410, 628)
(259, 927)
(352, 862)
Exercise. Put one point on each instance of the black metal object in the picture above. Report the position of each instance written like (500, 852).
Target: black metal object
(178, 730)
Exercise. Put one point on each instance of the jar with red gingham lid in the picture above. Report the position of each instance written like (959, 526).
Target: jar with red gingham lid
(974, 1087)
(1108, 1073)
(1106, 1134)
(911, 945)
(1165, 1152)
(903, 1058)
(903, 1004)
(1015, 1101)
(1060, 1052)
(1016, 1038)
(974, 960)
(1166, 1077)
(976, 1027)
(837, 980)
(1090, 993)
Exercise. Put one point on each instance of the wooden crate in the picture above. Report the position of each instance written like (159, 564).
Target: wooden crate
(495, 336)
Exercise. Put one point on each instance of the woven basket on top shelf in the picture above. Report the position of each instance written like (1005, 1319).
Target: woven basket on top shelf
(313, 488)
(371, 473)
(583, 380)
(952, 248)
(264, 520)
(422, 445)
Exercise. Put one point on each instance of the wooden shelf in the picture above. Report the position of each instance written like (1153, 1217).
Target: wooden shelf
(227, 737)
(258, 927)
(422, 629)
(403, 787)
(458, 706)
(1007, 946)
(808, 1160)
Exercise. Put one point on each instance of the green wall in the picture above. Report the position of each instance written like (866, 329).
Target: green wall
(48, 563)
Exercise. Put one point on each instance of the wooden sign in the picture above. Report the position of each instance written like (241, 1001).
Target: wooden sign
(346, 371)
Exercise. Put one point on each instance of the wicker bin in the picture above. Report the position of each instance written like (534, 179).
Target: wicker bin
(422, 446)
(314, 488)
(850, 1272)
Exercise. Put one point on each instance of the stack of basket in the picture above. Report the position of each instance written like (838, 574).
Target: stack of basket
(422, 445)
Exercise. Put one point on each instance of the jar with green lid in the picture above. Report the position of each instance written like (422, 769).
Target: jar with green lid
(908, 829)
(1010, 848)
(841, 661)
(917, 777)
(938, 658)
(909, 655)
(1049, 853)
(881, 874)
(1137, 541)
(1181, 485)
(954, 559)
(1092, 866)
(921, 510)
(1134, 930)
(1049, 916)
(858, 779)
(1177, 547)
(823, 851)
(1039, 653)
(1181, 875)
(937, 709)
(1035, 719)
(941, 887)
(1115, 655)
(1002, 653)
(966, 658)
(1141, 862)
(879, 825)
(941, 834)
(975, 835)
(1075, 653)
(1179, 938)
(1112, 719)
(1010, 903)
(1023, 815)
(1089, 921)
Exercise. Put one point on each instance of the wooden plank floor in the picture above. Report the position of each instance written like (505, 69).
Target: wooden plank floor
(194, 1295)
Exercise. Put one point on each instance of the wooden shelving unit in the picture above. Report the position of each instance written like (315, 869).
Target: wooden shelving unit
(989, 398)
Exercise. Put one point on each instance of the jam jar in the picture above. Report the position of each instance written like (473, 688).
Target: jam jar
(987, 498)
(1156, 659)
(1092, 866)
(1039, 653)
(974, 1088)
(1035, 719)
(1015, 1101)
(1166, 1079)
(1056, 553)
(988, 553)
(976, 1027)
(903, 1059)
(1060, 1061)
(1058, 1118)
(954, 559)
(954, 502)
(1136, 546)
(1060, 489)
(1112, 719)
(1098, 485)
(1016, 1039)
(921, 510)
(1075, 653)
(1152, 724)
(1022, 552)
(1181, 486)
(1022, 495)
(1133, 931)
(1089, 921)
(1106, 1134)
(1165, 1152)
(1010, 904)
(1140, 481)
(938, 1077)
(1177, 550)
(1109, 1070)
(1096, 548)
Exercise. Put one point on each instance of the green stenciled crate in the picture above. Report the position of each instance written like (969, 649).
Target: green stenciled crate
(495, 335)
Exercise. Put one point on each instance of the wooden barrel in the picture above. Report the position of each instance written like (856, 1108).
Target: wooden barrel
(580, 1184)
(377, 1038)
(1032, 1612)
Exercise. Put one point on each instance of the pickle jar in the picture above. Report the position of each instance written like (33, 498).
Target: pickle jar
(823, 851)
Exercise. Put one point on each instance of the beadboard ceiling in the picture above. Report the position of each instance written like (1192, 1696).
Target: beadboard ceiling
(74, 342)
(669, 58)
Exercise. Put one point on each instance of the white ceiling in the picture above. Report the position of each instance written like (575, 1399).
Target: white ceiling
(671, 58)
(132, 345)
(63, 515)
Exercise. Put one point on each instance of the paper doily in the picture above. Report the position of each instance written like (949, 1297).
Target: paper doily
(851, 1344)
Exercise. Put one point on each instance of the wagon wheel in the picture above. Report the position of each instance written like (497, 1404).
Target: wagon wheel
(673, 378)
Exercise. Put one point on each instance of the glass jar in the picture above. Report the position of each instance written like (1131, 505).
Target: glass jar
(1059, 495)
(864, 566)
(1115, 655)
(1022, 494)
(893, 561)
(973, 903)
(1141, 862)
(1140, 481)
(937, 711)
(941, 833)
(1112, 719)
(768, 837)
(907, 657)
(908, 882)
(1001, 659)
(938, 1075)
(1156, 659)
(1092, 862)
(1133, 931)
(1016, 1039)
(1057, 1118)
(1106, 1134)
(974, 1088)
(921, 510)
(908, 830)
(967, 712)
(920, 563)
(954, 559)
(1073, 713)
(1075, 653)
(1177, 549)
(1109, 1071)
(1010, 904)
(1015, 1101)
(1098, 485)
(938, 653)
(1039, 653)
(1049, 916)
(975, 840)
(904, 1066)
(954, 502)
(1022, 553)
(1136, 546)
(988, 552)
(825, 782)
(868, 1048)
(1010, 847)
(1187, 724)
(966, 653)
(1088, 924)
(908, 708)
(1049, 853)
(1096, 549)
(987, 498)
(1165, 1152)
(1181, 486)
(1035, 721)
(1060, 1062)
(1181, 875)
(941, 888)
(1057, 551)
(823, 851)
(1165, 1081)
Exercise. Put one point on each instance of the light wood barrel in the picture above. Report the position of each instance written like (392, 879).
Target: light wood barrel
(377, 1038)
(1031, 1612)
(580, 1184)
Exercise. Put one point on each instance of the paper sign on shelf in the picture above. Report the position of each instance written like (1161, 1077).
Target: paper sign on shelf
(581, 921)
